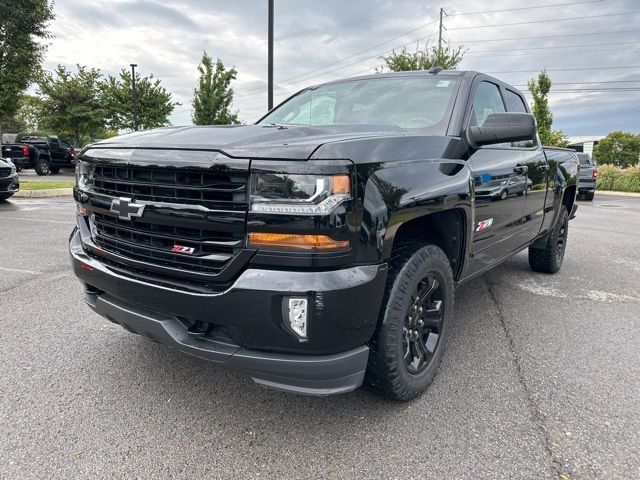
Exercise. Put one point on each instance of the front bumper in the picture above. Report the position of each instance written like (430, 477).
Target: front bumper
(10, 184)
(249, 332)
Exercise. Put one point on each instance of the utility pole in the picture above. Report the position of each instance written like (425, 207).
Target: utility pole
(134, 99)
(270, 59)
(442, 13)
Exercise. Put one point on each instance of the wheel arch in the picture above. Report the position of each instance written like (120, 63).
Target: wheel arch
(446, 229)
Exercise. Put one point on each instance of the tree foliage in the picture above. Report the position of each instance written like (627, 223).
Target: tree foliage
(619, 148)
(72, 104)
(213, 96)
(153, 102)
(23, 26)
(29, 113)
(544, 118)
(404, 60)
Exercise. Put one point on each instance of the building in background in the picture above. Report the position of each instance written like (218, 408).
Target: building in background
(585, 144)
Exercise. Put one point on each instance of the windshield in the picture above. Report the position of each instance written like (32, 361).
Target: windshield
(418, 102)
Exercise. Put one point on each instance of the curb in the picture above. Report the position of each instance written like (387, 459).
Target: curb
(48, 193)
(617, 194)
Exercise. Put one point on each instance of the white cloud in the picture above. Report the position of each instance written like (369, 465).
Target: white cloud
(167, 39)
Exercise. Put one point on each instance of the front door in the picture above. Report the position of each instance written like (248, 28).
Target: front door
(499, 177)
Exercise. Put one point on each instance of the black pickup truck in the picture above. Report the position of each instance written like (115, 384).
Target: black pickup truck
(320, 248)
(44, 154)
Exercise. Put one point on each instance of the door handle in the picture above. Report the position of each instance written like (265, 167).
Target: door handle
(521, 169)
(543, 168)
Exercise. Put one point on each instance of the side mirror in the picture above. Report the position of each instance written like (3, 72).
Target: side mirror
(501, 128)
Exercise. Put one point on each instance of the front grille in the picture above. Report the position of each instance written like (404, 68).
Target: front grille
(5, 171)
(212, 238)
(192, 187)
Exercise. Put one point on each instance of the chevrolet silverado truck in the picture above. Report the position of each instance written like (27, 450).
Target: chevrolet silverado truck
(44, 154)
(319, 248)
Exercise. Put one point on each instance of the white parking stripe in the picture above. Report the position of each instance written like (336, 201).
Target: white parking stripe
(37, 220)
(17, 270)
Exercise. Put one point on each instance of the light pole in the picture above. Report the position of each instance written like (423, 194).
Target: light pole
(134, 107)
(270, 59)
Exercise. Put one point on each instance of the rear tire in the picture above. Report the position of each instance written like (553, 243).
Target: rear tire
(411, 336)
(548, 259)
(42, 166)
(54, 170)
(588, 196)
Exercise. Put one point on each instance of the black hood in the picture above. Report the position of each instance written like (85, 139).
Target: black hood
(250, 141)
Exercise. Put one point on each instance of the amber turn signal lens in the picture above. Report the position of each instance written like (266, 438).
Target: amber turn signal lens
(294, 241)
(341, 184)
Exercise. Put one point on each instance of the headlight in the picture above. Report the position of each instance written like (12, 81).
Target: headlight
(298, 194)
(13, 168)
(84, 175)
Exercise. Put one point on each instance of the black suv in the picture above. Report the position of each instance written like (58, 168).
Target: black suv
(320, 247)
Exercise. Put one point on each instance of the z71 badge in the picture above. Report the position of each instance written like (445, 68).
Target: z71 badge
(484, 224)
(183, 249)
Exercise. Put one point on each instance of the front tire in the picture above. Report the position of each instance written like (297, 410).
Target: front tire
(504, 195)
(54, 170)
(588, 196)
(548, 259)
(414, 323)
(5, 196)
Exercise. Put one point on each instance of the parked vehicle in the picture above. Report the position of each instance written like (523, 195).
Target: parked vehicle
(44, 154)
(588, 176)
(501, 188)
(9, 182)
(320, 247)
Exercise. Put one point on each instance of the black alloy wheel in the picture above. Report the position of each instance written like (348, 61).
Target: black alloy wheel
(423, 324)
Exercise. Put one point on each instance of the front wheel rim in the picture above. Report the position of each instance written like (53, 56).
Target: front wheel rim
(423, 324)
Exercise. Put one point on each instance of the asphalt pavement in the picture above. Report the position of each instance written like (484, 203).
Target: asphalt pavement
(541, 379)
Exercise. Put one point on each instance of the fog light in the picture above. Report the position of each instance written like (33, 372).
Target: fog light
(297, 309)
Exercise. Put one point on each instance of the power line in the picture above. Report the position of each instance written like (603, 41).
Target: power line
(544, 21)
(522, 8)
(288, 80)
(585, 83)
(566, 69)
(553, 47)
(547, 36)
(280, 85)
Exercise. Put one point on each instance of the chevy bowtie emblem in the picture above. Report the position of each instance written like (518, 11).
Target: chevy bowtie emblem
(125, 209)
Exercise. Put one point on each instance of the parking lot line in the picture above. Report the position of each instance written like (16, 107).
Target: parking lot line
(37, 220)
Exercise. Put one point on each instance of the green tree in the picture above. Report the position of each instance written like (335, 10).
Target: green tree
(401, 61)
(153, 102)
(72, 104)
(619, 148)
(544, 118)
(23, 27)
(29, 113)
(213, 97)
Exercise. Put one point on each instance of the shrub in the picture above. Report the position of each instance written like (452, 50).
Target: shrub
(618, 179)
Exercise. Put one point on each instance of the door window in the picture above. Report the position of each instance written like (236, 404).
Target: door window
(487, 100)
(514, 102)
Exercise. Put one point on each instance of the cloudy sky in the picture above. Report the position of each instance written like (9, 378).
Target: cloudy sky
(581, 44)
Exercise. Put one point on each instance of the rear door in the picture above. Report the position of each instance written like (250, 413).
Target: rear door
(497, 169)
